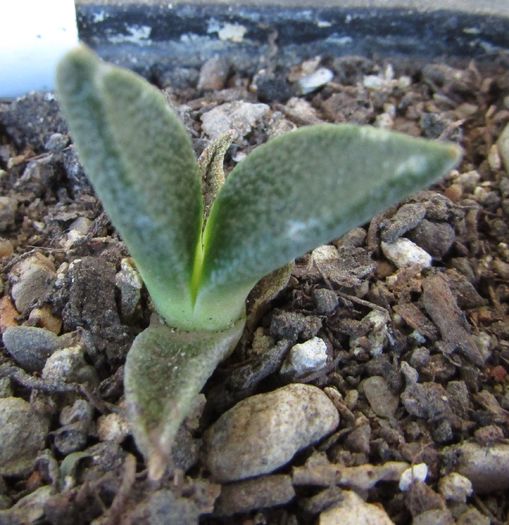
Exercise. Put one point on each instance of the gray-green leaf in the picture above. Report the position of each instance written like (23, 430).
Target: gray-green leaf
(141, 163)
(309, 187)
(164, 371)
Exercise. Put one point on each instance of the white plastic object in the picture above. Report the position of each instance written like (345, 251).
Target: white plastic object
(34, 34)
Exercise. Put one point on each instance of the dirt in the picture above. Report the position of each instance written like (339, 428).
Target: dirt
(417, 357)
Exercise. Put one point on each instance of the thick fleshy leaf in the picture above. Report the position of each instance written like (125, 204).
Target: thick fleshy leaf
(306, 188)
(164, 371)
(140, 161)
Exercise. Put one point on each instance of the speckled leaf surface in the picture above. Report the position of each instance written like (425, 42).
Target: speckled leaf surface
(164, 371)
(140, 161)
(309, 187)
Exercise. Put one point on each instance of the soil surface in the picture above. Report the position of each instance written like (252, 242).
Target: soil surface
(400, 326)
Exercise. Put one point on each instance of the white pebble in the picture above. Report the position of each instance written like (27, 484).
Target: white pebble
(415, 473)
(403, 253)
(306, 357)
(455, 487)
(315, 80)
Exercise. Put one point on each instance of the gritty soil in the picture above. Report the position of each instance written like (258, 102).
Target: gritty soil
(417, 341)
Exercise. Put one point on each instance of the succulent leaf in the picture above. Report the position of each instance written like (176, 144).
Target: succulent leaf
(164, 372)
(140, 161)
(306, 188)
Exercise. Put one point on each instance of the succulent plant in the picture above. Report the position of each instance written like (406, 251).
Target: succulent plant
(199, 262)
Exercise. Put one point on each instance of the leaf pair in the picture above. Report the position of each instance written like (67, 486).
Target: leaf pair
(290, 195)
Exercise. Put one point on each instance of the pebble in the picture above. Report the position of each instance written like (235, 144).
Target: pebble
(56, 142)
(214, 73)
(8, 314)
(472, 517)
(414, 473)
(263, 432)
(259, 493)
(237, 116)
(22, 436)
(130, 284)
(406, 218)
(435, 238)
(315, 80)
(163, 507)
(455, 487)
(70, 438)
(44, 318)
(69, 365)
(381, 400)
(33, 279)
(503, 147)
(80, 411)
(487, 467)
(28, 509)
(30, 346)
(112, 427)
(8, 207)
(434, 517)
(353, 510)
(6, 248)
(404, 253)
(294, 325)
(375, 340)
(305, 357)
(5, 387)
(326, 301)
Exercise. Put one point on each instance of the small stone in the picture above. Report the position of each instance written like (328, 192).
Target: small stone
(381, 400)
(263, 432)
(503, 147)
(112, 427)
(273, 88)
(29, 346)
(403, 253)
(426, 401)
(6, 387)
(8, 314)
(414, 473)
(376, 337)
(70, 438)
(129, 282)
(315, 80)
(69, 365)
(434, 517)
(8, 207)
(420, 357)
(163, 507)
(253, 494)
(80, 411)
(214, 73)
(6, 248)
(406, 218)
(326, 301)
(353, 510)
(33, 279)
(44, 318)
(78, 230)
(472, 517)
(28, 509)
(487, 467)
(359, 439)
(305, 357)
(436, 238)
(455, 487)
(294, 325)
(22, 436)
(56, 142)
(237, 116)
